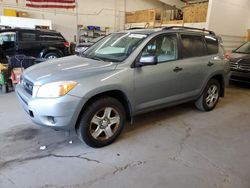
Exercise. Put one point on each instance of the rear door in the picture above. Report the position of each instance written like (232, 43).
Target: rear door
(158, 84)
(28, 43)
(193, 64)
(52, 40)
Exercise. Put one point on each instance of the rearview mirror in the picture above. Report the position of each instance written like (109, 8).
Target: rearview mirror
(147, 60)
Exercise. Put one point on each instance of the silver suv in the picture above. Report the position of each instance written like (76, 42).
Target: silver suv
(125, 74)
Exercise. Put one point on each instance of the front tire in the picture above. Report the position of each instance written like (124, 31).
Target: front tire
(210, 96)
(102, 122)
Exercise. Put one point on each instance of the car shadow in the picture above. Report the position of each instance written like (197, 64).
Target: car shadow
(155, 118)
(242, 85)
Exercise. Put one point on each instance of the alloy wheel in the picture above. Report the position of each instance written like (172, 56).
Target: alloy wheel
(212, 95)
(104, 124)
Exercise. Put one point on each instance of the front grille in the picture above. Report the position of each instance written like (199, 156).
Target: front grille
(242, 65)
(245, 64)
(28, 86)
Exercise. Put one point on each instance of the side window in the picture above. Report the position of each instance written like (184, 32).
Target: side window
(212, 45)
(50, 37)
(27, 36)
(163, 47)
(192, 46)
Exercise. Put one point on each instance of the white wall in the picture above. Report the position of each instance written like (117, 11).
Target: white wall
(105, 13)
(177, 3)
(24, 22)
(229, 17)
(133, 5)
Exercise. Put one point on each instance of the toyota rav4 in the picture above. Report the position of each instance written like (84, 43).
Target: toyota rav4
(125, 74)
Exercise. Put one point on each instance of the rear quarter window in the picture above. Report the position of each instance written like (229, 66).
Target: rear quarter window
(192, 46)
(51, 37)
(212, 45)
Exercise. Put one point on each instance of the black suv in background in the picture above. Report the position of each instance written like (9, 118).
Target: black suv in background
(30, 42)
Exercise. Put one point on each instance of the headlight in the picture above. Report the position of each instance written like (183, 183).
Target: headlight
(55, 89)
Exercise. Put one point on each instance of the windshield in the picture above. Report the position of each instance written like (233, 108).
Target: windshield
(245, 48)
(115, 47)
(7, 37)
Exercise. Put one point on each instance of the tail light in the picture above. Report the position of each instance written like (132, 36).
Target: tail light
(228, 56)
(66, 44)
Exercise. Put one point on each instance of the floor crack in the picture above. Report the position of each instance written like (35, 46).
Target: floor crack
(182, 142)
(10, 180)
(75, 156)
(129, 165)
(14, 161)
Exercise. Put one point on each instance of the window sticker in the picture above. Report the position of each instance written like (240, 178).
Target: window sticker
(138, 36)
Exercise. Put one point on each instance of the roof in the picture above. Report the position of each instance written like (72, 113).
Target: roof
(24, 29)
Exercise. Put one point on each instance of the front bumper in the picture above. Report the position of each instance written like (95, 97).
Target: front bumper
(240, 76)
(57, 113)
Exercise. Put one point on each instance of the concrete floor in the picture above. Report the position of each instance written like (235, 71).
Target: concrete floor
(176, 147)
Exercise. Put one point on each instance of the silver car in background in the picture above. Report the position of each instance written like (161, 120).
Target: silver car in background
(125, 74)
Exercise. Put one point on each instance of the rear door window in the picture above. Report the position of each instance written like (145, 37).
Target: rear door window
(212, 45)
(192, 46)
(50, 37)
(28, 36)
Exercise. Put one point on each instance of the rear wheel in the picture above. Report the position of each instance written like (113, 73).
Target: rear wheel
(51, 55)
(102, 122)
(210, 96)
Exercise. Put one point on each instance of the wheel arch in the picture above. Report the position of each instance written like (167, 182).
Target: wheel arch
(221, 81)
(50, 50)
(117, 94)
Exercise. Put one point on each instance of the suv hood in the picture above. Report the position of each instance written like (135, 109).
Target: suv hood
(237, 56)
(67, 68)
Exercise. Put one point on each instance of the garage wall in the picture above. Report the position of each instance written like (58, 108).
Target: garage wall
(230, 19)
(105, 13)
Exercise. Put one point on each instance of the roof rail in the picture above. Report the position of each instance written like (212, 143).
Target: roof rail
(189, 28)
(134, 28)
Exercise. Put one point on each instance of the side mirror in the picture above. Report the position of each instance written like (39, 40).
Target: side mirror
(147, 60)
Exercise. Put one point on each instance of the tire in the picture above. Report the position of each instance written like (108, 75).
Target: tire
(51, 55)
(210, 96)
(95, 127)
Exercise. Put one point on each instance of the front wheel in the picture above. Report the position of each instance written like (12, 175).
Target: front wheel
(209, 97)
(102, 122)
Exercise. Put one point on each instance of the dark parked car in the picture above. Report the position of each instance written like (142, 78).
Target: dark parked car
(82, 47)
(240, 63)
(30, 42)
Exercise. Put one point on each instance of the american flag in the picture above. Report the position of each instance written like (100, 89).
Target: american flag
(65, 4)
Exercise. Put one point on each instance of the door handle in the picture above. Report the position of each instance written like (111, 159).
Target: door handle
(210, 64)
(177, 69)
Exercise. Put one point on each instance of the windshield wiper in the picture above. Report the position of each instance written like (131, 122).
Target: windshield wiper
(242, 52)
(93, 57)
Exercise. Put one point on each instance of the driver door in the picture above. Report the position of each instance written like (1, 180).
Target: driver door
(157, 85)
